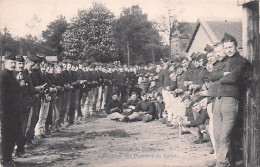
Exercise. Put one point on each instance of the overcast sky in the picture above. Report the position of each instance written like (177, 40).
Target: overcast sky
(16, 14)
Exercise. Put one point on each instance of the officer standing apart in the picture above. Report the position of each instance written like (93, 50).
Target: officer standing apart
(9, 103)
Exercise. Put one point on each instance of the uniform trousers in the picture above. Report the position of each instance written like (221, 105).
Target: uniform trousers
(89, 102)
(109, 93)
(33, 119)
(169, 105)
(104, 97)
(64, 104)
(224, 116)
(78, 102)
(21, 140)
(56, 112)
(44, 110)
(210, 107)
(99, 98)
(72, 108)
(67, 103)
(9, 132)
(95, 98)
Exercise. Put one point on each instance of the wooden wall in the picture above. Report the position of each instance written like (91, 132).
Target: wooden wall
(251, 47)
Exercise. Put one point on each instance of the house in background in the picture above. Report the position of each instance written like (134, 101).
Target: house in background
(211, 30)
(179, 37)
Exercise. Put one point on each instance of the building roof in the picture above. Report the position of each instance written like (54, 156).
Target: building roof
(216, 27)
(51, 58)
(48, 58)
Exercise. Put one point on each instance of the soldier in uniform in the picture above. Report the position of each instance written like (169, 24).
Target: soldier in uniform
(225, 110)
(10, 115)
(37, 83)
(27, 101)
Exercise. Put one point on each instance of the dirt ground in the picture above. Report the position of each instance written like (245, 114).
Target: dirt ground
(100, 142)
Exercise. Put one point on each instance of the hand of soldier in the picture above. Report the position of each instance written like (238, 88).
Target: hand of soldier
(167, 88)
(48, 98)
(52, 89)
(191, 87)
(186, 123)
(226, 73)
(132, 107)
(189, 82)
(203, 93)
(187, 93)
(38, 88)
(185, 83)
(22, 83)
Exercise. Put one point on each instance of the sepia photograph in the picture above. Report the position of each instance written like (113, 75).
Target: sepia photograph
(129, 83)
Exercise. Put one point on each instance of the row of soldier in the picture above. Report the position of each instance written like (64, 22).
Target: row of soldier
(205, 91)
(36, 97)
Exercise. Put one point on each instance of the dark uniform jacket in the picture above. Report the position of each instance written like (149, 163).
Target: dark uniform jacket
(195, 75)
(130, 102)
(113, 104)
(10, 100)
(27, 90)
(230, 84)
(214, 77)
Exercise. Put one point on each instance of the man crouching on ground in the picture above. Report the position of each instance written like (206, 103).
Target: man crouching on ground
(114, 108)
(144, 110)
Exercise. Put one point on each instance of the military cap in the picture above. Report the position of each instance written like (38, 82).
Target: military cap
(74, 63)
(59, 64)
(69, 61)
(40, 56)
(80, 61)
(216, 44)
(9, 56)
(178, 66)
(143, 93)
(32, 58)
(208, 49)
(64, 61)
(92, 66)
(114, 93)
(84, 64)
(201, 56)
(229, 38)
(194, 56)
(19, 58)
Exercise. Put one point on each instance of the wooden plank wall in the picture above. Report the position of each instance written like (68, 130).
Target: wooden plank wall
(251, 136)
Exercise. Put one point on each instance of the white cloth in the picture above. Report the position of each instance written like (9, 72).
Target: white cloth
(209, 110)
(40, 126)
(174, 107)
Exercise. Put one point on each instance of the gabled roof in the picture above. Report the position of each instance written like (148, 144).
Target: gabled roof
(216, 27)
(51, 58)
(48, 58)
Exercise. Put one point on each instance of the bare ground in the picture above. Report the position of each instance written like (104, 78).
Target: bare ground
(105, 143)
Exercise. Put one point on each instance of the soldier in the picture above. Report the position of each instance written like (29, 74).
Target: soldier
(9, 113)
(80, 77)
(37, 86)
(27, 102)
(225, 110)
(45, 98)
(73, 93)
